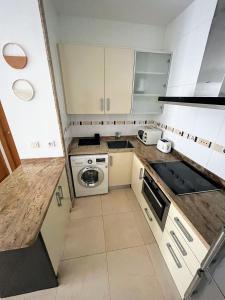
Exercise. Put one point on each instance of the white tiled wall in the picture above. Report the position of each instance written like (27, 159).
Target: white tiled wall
(186, 37)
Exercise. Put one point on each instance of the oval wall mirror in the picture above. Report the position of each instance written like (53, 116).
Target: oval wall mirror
(23, 89)
(14, 55)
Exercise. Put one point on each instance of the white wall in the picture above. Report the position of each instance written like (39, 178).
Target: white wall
(110, 33)
(186, 36)
(34, 121)
(52, 22)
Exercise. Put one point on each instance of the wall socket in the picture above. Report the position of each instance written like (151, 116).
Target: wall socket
(35, 145)
(52, 144)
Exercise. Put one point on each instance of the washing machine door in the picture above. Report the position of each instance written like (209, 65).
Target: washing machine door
(90, 177)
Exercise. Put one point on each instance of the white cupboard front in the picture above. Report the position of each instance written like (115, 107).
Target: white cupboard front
(55, 222)
(137, 178)
(83, 78)
(120, 165)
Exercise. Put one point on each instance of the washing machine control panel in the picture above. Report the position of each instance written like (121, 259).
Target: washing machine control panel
(90, 161)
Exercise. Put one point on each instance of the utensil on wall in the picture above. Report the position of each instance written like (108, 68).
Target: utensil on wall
(23, 89)
(14, 55)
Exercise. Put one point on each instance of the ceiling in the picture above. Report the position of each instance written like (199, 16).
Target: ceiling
(152, 12)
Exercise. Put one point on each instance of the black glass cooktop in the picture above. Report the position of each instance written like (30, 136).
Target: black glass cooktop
(181, 178)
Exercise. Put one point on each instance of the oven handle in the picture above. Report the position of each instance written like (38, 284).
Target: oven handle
(153, 194)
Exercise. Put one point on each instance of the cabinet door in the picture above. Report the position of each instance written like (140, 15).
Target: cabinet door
(120, 165)
(137, 177)
(83, 78)
(119, 65)
(56, 220)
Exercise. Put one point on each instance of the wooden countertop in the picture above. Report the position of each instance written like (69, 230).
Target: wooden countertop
(25, 196)
(205, 212)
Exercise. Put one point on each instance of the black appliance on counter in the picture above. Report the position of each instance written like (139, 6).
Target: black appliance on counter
(90, 141)
(156, 199)
(182, 178)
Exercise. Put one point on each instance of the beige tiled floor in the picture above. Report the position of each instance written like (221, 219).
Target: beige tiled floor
(110, 254)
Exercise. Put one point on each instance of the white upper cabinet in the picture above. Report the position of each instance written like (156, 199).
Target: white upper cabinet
(83, 78)
(97, 80)
(119, 64)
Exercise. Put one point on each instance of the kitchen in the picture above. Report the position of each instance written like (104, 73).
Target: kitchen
(117, 114)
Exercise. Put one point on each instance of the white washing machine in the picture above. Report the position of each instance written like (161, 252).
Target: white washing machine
(90, 174)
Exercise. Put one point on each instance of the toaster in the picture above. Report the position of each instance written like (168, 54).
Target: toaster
(149, 135)
(164, 145)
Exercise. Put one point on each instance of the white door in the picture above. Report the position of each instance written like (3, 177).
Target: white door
(120, 165)
(83, 78)
(137, 177)
(119, 64)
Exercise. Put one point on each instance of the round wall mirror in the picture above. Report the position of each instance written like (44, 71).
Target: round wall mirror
(23, 89)
(14, 55)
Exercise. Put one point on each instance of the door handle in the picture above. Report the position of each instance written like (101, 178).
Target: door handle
(102, 102)
(178, 243)
(110, 161)
(108, 104)
(183, 229)
(176, 260)
(141, 173)
(58, 199)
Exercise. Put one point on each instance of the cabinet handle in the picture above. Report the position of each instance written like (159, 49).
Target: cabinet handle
(141, 173)
(147, 213)
(108, 104)
(102, 104)
(153, 194)
(110, 160)
(183, 229)
(59, 202)
(179, 265)
(60, 189)
(178, 243)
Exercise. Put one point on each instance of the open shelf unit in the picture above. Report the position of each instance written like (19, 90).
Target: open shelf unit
(150, 81)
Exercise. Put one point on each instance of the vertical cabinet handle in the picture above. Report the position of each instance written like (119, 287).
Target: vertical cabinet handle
(183, 229)
(60, 190)
(141, 173)
(177, 262)
(102, 104)
(58, 199)
(178, 243)
(147, 213)
(108, 104)
(110, 160)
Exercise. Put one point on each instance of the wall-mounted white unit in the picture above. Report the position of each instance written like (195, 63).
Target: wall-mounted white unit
(97, 80)
(150, 81)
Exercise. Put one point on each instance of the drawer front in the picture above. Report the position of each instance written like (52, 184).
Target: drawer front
(193, 241)
(175, 263)
(190, 259)
(156, 230)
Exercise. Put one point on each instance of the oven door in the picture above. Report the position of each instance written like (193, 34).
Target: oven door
(156, 200)
(90, 177)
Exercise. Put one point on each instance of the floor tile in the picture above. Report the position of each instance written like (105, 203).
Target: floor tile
(116, 202)
(131, 275)
(49, 294)
(87, 207)
(132, 199)
(84, 278)
(121, 231)
(164, 277)
(84, 236)
(143, 227)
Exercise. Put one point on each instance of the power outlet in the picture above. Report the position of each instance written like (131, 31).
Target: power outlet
(35, 145)
(52, 144)
(203, 142)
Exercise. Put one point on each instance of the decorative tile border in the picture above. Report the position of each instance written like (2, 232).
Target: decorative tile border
(195, 139)
(113, 122)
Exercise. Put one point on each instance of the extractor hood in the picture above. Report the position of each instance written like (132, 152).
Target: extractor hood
(210, 87)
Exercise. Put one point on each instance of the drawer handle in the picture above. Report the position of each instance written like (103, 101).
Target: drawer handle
(60, 189)
(147, 213)
(141, 173)
(58, 199)
(183, 229)
(178, 243)
(179, 265)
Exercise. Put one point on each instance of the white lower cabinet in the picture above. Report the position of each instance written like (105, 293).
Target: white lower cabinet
(120, 165)
(137, 178)
(56, 220)
(178, 269)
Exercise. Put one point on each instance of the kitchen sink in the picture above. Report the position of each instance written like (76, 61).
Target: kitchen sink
(119, 144)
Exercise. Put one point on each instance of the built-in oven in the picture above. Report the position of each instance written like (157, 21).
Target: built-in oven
(156, 199)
